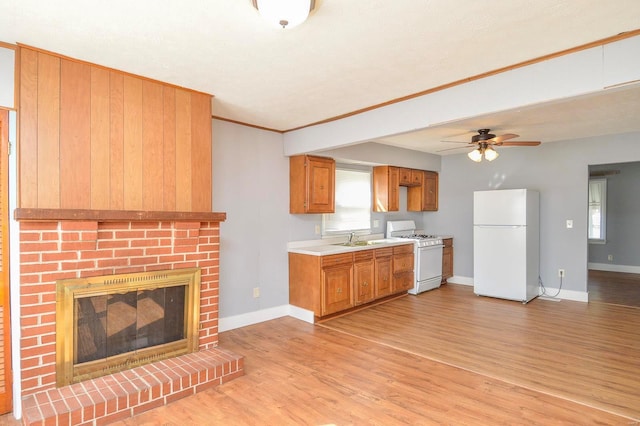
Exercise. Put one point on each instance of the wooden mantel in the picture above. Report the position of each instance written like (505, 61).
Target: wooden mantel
(23, 214)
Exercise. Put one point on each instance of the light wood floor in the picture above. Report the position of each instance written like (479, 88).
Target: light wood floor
(381, 368)
(618, 288)
(297, 373)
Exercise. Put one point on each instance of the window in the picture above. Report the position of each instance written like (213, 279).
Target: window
(597, 210)
(353, 203)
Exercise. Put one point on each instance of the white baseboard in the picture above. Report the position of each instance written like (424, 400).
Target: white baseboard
(631, 269)
(301, 314)
(456, 279)
(250, 318)
(577, 296)
(242, 320)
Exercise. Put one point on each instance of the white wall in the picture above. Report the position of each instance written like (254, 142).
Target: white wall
(251, 184)
(559, 170)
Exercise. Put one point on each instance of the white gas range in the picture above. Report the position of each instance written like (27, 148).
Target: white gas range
(427, 253)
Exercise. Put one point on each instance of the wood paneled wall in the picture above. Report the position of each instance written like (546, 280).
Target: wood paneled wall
(96, 138)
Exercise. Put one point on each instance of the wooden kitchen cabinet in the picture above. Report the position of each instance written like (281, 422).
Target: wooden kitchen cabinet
(416, 178)
(383, 272)
(311, 184)
(386, 189)
(405, 176)
(447, 259)
(425, 196)
(363, 276)
(403, 276)
(335, 283)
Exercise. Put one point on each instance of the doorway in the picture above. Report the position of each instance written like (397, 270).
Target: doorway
(613, 261)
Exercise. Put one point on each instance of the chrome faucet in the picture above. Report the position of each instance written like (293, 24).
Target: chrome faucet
(351, 235)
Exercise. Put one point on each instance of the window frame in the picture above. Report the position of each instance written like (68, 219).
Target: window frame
(327, 217)
(603, 211)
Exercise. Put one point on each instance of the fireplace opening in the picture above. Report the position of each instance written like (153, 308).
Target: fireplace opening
(113, 323)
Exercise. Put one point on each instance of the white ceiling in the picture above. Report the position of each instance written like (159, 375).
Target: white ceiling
(349, 55)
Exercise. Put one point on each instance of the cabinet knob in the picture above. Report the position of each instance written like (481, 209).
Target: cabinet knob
(339, 290)
(365, 284)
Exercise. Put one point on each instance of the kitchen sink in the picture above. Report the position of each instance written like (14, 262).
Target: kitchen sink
(358, 243)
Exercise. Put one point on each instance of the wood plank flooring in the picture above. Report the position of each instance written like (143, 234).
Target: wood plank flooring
(588, 353)
(618, 288)
(297, 373)
(382, 367)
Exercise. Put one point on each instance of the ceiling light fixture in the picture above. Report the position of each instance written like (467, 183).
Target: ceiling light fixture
(284, 13)
(483, 150)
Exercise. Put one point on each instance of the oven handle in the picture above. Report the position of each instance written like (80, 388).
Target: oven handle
(431, 247)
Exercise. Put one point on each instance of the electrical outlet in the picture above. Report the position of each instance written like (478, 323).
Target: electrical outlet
(610, 257)
(569, 223)
(317, 229)
(561, 273)
(256, 292)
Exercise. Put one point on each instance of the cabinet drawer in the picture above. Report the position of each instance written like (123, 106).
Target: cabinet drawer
(363, 256)
(402, 263)
(384, 252)
(407, 248)
(337, 259)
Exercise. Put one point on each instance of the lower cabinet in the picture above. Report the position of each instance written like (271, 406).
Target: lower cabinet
(337, 283)
(403, 276)
(447, 259)
(364, 276)
(330, 284)
(383, 272)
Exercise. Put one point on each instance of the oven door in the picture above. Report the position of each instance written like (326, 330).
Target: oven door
(428, 262)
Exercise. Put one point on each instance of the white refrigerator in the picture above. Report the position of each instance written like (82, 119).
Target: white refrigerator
(506, 244)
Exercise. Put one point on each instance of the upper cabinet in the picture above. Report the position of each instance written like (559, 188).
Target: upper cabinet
(422, 192)
(311, 184)
(98, 138)
(425, 196)
(386, 189)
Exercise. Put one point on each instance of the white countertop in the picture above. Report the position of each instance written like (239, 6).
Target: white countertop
(328, 246)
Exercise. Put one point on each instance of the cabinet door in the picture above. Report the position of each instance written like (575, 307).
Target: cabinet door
(403, 281)
(447, 259)
(430, 191)
(383, 277)
(363, 280)
(337, 292)
(386, 189)
(321, 173)
(425, 196)
(416, 177)
(405, 176)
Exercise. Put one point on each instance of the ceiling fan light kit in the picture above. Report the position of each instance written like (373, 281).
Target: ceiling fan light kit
(284, 13)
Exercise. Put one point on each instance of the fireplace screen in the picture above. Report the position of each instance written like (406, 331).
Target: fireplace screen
(119, 322)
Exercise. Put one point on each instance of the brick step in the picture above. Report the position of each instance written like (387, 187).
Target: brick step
(118, 396)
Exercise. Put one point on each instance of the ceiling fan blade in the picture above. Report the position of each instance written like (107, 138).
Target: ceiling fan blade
(468, 143)
(449, 149)
(504, 137)
(521, 143)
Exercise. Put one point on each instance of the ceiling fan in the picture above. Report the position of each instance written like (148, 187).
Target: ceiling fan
(485, 142)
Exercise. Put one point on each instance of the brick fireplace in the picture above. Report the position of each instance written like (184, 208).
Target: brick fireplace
(57, 245)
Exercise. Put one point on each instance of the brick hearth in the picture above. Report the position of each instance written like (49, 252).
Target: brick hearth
(56, 249)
